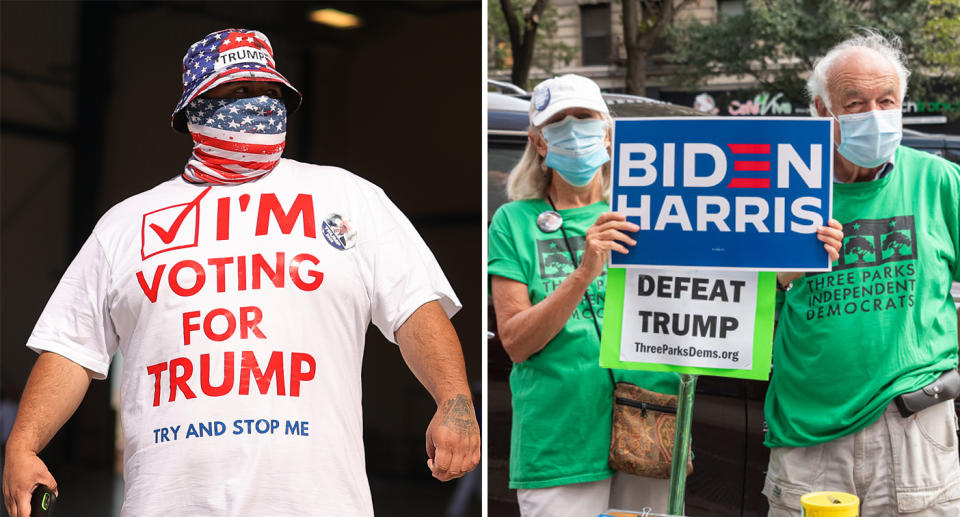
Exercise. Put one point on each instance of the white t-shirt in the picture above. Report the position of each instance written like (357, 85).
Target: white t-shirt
(241, 314)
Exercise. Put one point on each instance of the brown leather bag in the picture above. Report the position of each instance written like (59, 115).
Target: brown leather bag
(641, 440)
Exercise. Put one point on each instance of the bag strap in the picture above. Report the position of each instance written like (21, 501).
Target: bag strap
(586, 295)
(644, 406)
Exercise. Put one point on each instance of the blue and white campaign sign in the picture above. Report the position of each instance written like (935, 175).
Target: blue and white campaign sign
(722, 192)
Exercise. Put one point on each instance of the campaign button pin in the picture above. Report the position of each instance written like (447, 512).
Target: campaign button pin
(338, 232)
(541, 98)
(549, 221)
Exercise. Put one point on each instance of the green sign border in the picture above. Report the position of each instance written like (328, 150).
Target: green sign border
(762, 332)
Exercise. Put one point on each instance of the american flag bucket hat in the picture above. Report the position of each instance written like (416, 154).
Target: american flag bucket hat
(228, 56)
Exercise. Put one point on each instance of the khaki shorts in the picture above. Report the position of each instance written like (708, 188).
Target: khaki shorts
(622, 491)
(896, 466)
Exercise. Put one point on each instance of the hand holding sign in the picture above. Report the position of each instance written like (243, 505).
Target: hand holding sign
(832, 238)
(602, 237)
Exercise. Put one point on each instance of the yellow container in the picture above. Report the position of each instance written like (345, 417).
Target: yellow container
(830, 504)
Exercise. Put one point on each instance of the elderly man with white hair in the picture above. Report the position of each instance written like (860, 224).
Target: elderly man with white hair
(865, 355)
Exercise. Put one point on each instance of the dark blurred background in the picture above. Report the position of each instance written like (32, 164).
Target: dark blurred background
(87, 91)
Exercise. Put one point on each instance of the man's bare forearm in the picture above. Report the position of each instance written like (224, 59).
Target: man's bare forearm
(431, 349)
(54, 390)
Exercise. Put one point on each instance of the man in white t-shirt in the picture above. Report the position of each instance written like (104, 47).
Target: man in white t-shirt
(239, 294)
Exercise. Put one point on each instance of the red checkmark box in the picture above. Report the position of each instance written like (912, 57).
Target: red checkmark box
(171, 228)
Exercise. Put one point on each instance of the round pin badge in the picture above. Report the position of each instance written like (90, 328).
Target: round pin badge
(338, 232)
(541, 98)
(549, 221)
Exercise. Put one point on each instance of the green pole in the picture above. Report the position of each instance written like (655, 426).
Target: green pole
(681, 444)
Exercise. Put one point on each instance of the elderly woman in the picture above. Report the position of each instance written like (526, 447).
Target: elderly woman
(547, 259)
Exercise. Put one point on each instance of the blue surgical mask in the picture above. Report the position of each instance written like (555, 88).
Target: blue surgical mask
(869, 139)
(575, 148)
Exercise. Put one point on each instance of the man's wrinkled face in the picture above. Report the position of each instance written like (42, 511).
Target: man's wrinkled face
(861, 80)
(245, 90)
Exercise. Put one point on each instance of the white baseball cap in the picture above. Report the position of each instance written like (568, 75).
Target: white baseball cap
(560, 93)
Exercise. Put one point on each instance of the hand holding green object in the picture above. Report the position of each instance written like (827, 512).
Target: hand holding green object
(42, 502)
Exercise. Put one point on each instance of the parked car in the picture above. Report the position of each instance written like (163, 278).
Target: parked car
(947, 146)
(728, 427)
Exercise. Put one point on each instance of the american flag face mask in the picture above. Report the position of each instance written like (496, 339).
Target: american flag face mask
(234, 140)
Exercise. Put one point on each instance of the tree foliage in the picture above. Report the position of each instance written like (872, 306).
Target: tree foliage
(523, 39)
(644, 23)
(775, 42)
(939, 39)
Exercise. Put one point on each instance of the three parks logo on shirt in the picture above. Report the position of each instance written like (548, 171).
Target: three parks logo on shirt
(555, 265)
(875, 271)
(872, 242)
(554, 257)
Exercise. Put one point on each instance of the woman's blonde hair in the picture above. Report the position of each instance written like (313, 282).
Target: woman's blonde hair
(530, 177)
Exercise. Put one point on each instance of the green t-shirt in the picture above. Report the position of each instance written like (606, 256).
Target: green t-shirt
(882, 322)
(562, 399)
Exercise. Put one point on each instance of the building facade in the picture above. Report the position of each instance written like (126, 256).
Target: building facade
(593, 30)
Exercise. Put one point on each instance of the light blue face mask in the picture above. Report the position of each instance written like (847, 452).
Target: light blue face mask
(869, 139)
(575, 148)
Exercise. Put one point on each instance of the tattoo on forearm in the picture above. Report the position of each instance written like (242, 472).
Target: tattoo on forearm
(457, 414)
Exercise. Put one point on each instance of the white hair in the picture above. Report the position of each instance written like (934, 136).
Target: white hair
(890, 48)
(530, 177)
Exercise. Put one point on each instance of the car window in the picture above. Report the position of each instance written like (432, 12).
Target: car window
(502, 155)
